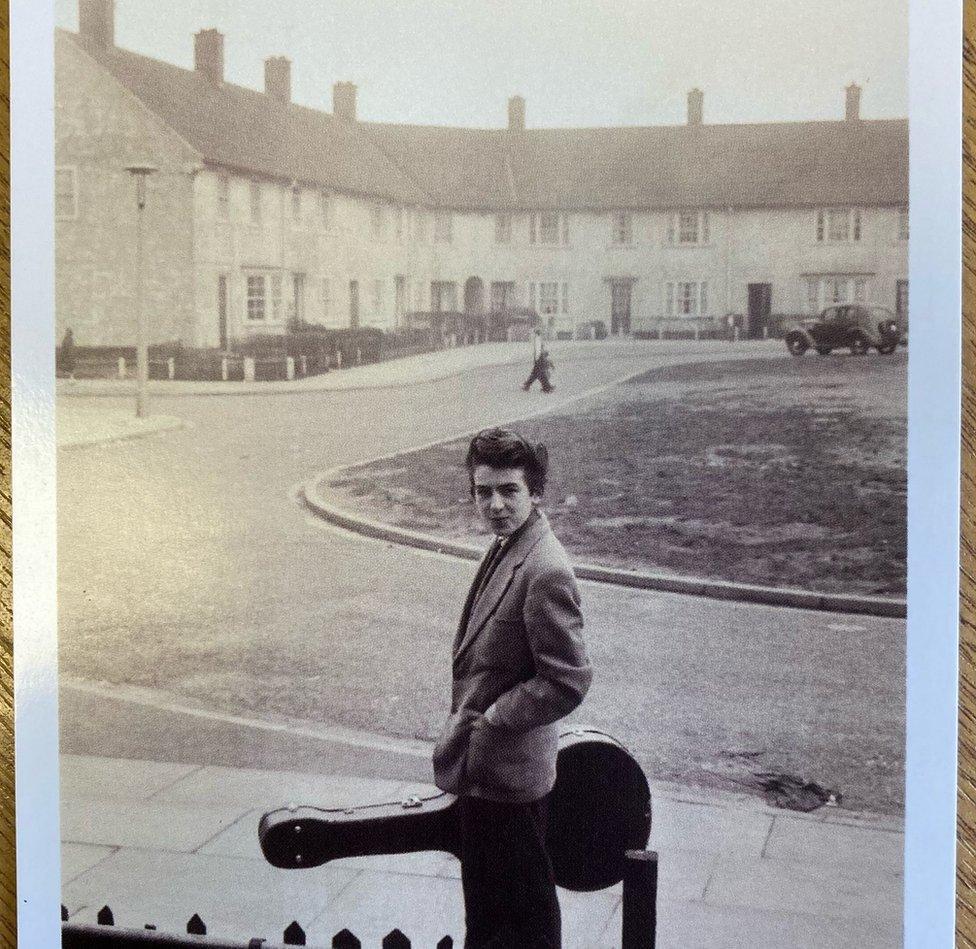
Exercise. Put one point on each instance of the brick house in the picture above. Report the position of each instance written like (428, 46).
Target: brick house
(264, 210)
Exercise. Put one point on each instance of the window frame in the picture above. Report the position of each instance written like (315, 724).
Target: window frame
(503, 228)
(622, 228)
(828, 217)
(694, 293)
(256, 200)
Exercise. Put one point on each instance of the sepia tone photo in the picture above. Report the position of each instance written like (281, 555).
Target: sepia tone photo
(481, 445)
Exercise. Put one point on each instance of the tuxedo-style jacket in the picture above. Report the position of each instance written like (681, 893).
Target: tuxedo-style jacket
(519, 665)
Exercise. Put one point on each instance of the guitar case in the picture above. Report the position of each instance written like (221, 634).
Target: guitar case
(600, 808)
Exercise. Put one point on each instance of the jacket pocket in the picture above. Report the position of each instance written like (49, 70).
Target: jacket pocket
(451, 751)
(509, 761)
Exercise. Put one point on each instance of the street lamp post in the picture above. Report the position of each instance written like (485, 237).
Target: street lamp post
(140, 172)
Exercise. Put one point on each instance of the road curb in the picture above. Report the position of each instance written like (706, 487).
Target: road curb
(163, 423)
(690, 586)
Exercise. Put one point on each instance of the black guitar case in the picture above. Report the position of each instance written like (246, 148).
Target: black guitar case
(600, 808)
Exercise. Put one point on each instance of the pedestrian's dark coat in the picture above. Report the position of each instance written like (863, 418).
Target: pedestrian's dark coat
(520, 665)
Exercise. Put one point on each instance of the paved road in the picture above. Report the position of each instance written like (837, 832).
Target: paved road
(186, 565)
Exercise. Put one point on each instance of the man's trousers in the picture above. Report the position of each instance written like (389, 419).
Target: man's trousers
(509, 888)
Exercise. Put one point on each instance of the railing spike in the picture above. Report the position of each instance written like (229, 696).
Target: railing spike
(395, 940)
(64, 913)
(105, 917)
(294, 934)
(345, 940)
(196, 927)
(150, 926)
(256, 942)
(446, 943)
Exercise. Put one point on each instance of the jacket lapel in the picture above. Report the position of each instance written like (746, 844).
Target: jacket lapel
(483, 608)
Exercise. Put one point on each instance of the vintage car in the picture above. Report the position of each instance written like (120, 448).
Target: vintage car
(854, 326)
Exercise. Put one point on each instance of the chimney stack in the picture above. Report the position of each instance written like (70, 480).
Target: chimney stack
(853, 110)
(208, 54)
(96, 21)
(696, 106)
(516, 114)
(277, 78)
(344, 101)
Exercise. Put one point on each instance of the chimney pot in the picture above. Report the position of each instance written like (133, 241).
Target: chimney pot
(208, 54)
(277, 78)
(516, 114)
(853, 103)
(344, 101)
(96, 20)
(696, 107)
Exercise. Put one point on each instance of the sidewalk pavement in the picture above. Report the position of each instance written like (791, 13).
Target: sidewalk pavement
(426, 367)
(159, 841)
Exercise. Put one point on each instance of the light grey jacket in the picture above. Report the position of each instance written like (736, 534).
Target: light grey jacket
(520, 665)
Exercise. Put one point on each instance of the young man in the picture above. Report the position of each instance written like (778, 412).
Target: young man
(519, 665)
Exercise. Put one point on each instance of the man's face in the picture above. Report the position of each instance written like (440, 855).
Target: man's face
(503, 498)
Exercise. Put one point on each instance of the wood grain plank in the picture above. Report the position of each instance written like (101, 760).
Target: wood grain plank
(966, 821)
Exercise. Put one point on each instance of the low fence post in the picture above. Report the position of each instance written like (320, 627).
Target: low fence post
(639, 900)
(171, 367)
(289, 367)
(223, 368)
(121, 367)
(248, 369)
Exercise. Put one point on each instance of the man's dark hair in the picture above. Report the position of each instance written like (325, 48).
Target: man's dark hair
(503, 448)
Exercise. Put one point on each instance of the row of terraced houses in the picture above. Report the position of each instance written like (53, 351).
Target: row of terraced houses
(263, 210)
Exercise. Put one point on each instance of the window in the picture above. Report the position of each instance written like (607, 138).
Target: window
(688, 228)
(548, 298)
(418, 297)
(264, 297)
(377, 299)
(420, 227)
(903, 224)
(65, 194)
(622, 228)
(223, 198)
(503, 228)
(565, 298)
(377, 221)
(548, 227)
(255, 202)
(838, 225)
(325, 210)
(443, 296)
(325, 298)
(296, 204)
(502, 296)
(686, 298)
(823, 290)
(442, 227)
(399, 297)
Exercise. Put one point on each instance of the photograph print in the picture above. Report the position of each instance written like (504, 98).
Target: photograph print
(481, 472)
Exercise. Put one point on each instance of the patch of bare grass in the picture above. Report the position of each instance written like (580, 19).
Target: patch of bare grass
(782, 473)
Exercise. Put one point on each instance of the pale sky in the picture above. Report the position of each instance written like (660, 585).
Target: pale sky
(576, 62)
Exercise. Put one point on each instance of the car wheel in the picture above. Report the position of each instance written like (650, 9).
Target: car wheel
(824, 350)
(797, 344)
(859, 345)
(886, 349)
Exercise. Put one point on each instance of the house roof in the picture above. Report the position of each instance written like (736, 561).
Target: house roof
(252, 132)
(783, 164)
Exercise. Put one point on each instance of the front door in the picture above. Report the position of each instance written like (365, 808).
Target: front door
(620, 295)
(222, 309)
(760, 306)
(354, 303)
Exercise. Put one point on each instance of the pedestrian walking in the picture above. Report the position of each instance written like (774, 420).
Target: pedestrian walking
(519, 665)
(542, 370)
